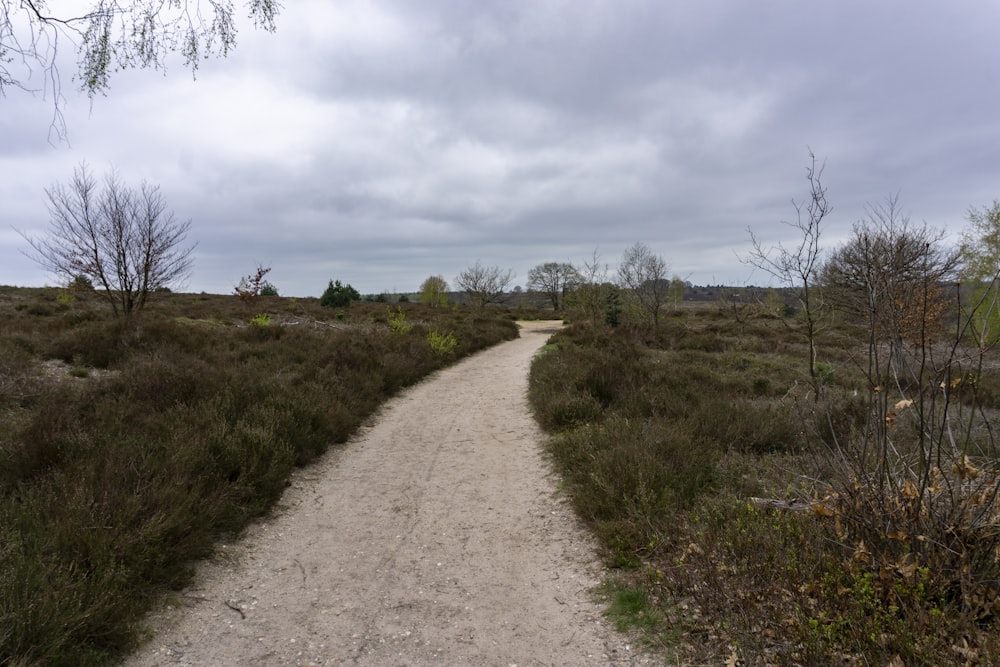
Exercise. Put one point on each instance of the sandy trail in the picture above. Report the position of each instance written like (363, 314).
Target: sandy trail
(435, 537)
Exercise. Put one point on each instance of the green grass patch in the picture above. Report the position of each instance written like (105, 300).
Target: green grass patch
(629, 608)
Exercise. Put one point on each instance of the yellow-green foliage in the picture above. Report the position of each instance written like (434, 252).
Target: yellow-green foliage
(442, 344)
(260, 320)
(397, 321)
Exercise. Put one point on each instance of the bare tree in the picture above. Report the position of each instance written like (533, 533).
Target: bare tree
(906, 481)
(797, 266)
(112, 35)
(892, 275)
(484, 284)
(121, 238)
(646, 275)
(555, 280)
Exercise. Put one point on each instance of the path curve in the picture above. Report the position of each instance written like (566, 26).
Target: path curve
(435, 537)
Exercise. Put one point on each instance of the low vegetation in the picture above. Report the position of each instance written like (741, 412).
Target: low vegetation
(129, 447)
(748, 522)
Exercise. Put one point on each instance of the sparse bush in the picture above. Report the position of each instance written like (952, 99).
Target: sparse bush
(397, 321)
(252, 286)
(261, 320)
(442, 344)
(824, 372)
(912, 489)
(262, 329)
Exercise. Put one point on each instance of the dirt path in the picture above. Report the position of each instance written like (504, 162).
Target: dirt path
(433, 538)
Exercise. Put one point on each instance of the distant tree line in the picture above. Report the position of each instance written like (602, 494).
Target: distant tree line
(891, 273)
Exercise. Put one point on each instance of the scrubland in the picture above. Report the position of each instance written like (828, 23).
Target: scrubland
(128, 447)
(746, 522)
(751, 512)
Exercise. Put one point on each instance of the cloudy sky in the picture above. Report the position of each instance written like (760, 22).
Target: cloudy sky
(382, 141)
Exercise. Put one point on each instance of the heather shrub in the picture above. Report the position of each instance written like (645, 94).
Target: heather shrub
(574, 384)
(753, 517)
(99, 344)
(15, 370)
(748, 425)
(634, 469)
(111, 485)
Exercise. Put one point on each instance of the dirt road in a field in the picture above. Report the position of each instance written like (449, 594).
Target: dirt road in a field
(435, 537)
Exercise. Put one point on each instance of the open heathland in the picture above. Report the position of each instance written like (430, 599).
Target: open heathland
(128, 446)
(748, 520)
(435, 536)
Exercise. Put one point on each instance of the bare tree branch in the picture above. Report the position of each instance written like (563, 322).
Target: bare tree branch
(797, 267)
(122, 239)
(890, 273)
(484, 284)
(113, 35)
(647, 276)
(555, 280)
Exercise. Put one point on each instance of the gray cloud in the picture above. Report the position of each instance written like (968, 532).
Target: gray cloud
(382, 142)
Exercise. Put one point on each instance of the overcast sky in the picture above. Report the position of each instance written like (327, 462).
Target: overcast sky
(379, 142)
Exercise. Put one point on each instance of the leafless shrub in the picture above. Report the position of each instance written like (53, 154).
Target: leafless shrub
(916, 497)
(124, 240)
(797, 267)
